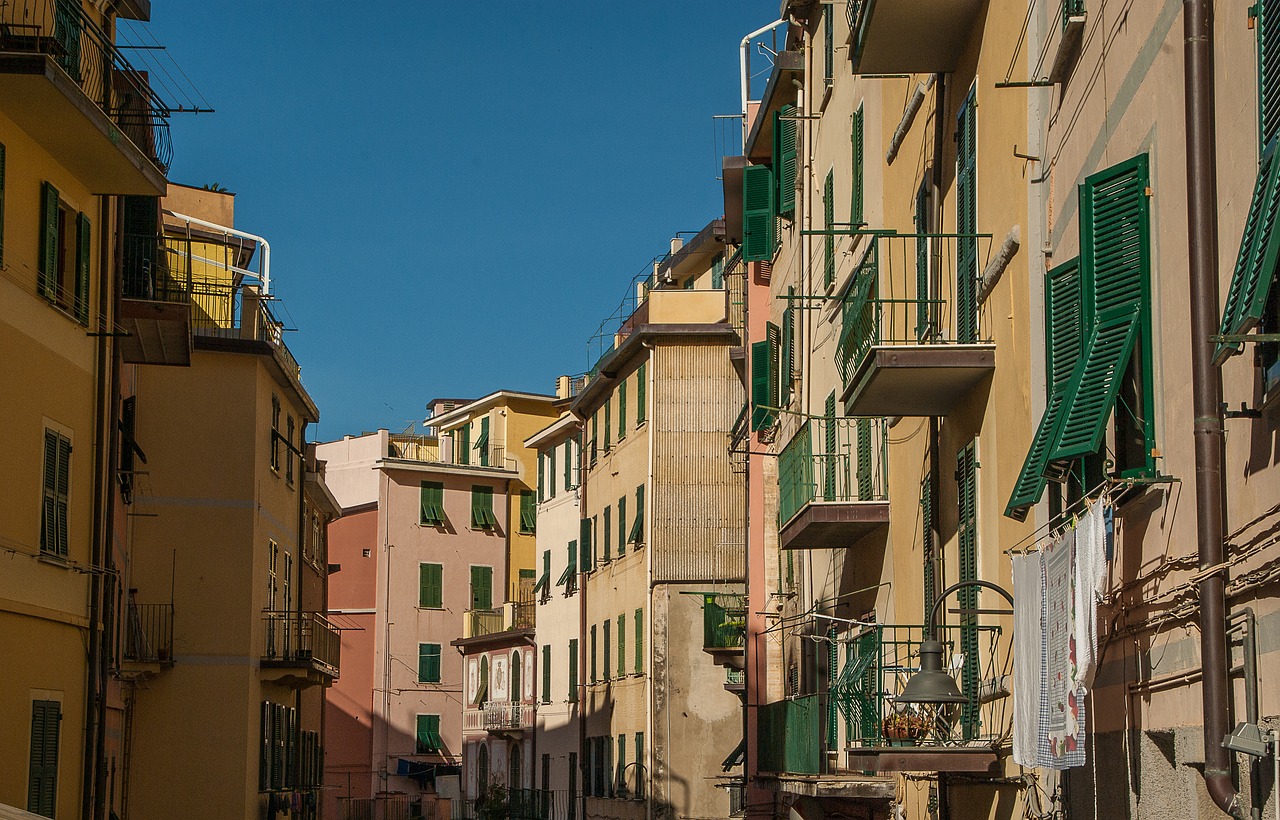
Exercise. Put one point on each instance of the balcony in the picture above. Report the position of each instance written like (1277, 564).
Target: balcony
(66, 84)
(918, 355)
(833, 484)
(148, 640)
(724, 625)
(857, 726)
(500, 717)
(301, 649)
(413, 447)
(511, 616)
(910, 36)
(155, 304)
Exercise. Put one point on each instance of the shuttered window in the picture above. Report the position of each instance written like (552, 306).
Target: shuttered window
(866, 486)
(57, 487)
(641, 388)
(717, 264)
(481, 587)
(829, 222)
(757, 213)
(923, 317)
(546, 682)
(622, 410)
(606, 627)
(573, 670)
(428, 735)
(1268, 70)
(428, 663)
(829, 43)
(967, 221)
(42, 779)
(542, 477)
(622, 645)
(482, 517)
(464, 443)
(551, 473)
(967, 533)
(787, 356)
(857, 195)
(785, 154)
(761, 417)
(431, 503)
(608, 425)
(636, 536)
(568, 465)
(528, 512)
(584, 537)
(482, 443)
(829, 454)
(430, 586)
(1255, 268)
(928, 547)
(543, 587)
(639, 631)
(47, 273)
(593, 653)
(622, 526)
(83, 254)
(608, 533)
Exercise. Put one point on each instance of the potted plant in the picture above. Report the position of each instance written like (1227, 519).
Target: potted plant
(904, 728)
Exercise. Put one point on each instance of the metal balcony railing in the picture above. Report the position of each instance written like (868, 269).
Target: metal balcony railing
(790, 736)
(481, 622)
(412, 447)
(724, 620)
(833, 459)
(303, 639)
(154, 269)
(520, 614)
(60, 29)
(148, 636)
(499, 716)
(907, 290)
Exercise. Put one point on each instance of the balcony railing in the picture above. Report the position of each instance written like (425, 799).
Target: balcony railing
(301, 639)
(61, 30)
(833, 459)
(500, 716)
(413, 447)
(906, 291)
(155, 269)
(477, 623)
(791, 735)
(148, 636)
(724, 620)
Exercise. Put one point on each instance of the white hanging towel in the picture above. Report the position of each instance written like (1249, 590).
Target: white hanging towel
(1028, 656)
(1090, 576)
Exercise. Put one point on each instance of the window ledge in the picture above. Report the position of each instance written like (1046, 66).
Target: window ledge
(53, 559)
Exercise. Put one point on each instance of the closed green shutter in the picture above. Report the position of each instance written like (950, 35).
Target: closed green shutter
(1, 205)
(967, 533)
(1256, 263)
(928, 547)
(48, 269)
(1268, 70)
(42, 781)
(622, 646)
(608, 424)
(639, 626)
(542, 477)
(481, 587)
(584, 538)
(785, 157)
(608, 649)
(608, 533)
(428, 734)
(568, 465)
(757, 213)
(428, 663)
(546, 675)
(430, 586)
(83, 246)
(858, 197)
(636, 536)
(967, 222)
(829, 454)
(829, 238)
(622, 526)
(761, 416)
(49, 508)
(787, 357)
(464, 447)
(866, 487)
(641, 388)
(592, 663)
(573, 670)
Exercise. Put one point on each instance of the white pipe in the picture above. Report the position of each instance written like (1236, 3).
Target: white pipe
(742, 62)
(264, 264)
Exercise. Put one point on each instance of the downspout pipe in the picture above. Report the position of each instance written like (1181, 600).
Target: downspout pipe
(1206, 379)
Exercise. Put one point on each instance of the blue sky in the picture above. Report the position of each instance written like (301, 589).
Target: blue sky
(455, 195)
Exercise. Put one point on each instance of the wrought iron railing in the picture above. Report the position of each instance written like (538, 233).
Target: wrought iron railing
(148, 635)
(500, 715)
(913, 289)
(833, 459)
(60, 29)
(724, 620)
(305, 638)
(155, 269)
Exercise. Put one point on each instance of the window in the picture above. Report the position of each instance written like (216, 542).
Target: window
(482, 443)
(57, 488)
(1098, 345)
(288, 449)
(927, 549)
(431, 586)
(464, 443)
(640, 765)
(717, 276)
(275, 434)
(279, 730)
(829, 39)
(924, 320)
(551, 473)
(636, 536)
(967, 221)
(542, 477)
(593, 654)
(620, 785)
(594, 430)
(481, 587)
(431, 504)
(757, 213)
(568, 578)
(857, 194)
(829, 222)
(622, 646)
(428, 735)
(482, 517)
(639, 641)
(568, 465)
(764, 379)
(64, 261)
(573, 786)
(967, 533)
(641, 387)
(622, 526)
(608, 533)
(428, 663)
(785, 158)
(606, 629)
(608, 425)
(573, 670)
(42, 783)
(546, 674)
(786, 356)
(543, 587)
(587, 564)
(528, 513)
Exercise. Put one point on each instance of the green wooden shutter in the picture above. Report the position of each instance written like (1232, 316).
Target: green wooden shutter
(481, 587)
(967, 532)
(430, 586)
(608, 648)
(785, 157)
(573, 670)
(857, 196)
(866, 486)
(927, 549)
(592, 663)
(1268, 71)
(717, 264)
(967, 222)
(829, 238)
(641, 388)
(584, 539)
(608, 533)
(482, 515)
(464, 448)
(528, 513)
(639, 627)
(608, 424)
(636, 536)
(264, 750)
(63, 497)
(622, 410)
(833, 701)
(787, 357)
(83, 247)
(568, 464)
(49, 509)
(829, 454)
(482, 443)
(546, 674)
(42, 782)
(622, 646)
(1, 205)
(431, 502)
(761, 417)
(428, 663)
(924, 322)
(1256, 262)
(48, 270)
(757, 213)
(542, 477)
(1094, 387)
(622, 526)
(423, 739)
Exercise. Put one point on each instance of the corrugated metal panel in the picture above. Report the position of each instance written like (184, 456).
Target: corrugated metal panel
(698, 501)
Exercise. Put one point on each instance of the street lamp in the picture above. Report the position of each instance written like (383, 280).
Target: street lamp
(931, 685)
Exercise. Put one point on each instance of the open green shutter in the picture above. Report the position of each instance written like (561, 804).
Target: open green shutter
(528, 513)
(464, 444)
(49, 510)
(1031, 480)
(856, 207)
(785, 157)
(787, 357)
(622, 645)
(568, 464)
(636, 536)
(608, 533)
(542, 477)
(866, 487)
(927, 546)
(757, 214)
(761, 416)
(622, 526)
(584, 540)
(573, 670)
(829, 239)
(546, 677)
(83, 245)
(967, 532)
(829, 454)
(641, 388)
(1268, 70)
(1093, 389)
(967, 223)
(1255, 268)
(924, 321)
(48, 271)
(639, 627)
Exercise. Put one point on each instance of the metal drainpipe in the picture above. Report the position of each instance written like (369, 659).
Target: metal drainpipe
(1202, 208)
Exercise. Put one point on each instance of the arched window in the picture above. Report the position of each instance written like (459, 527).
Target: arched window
(482, 772)
(514, 769)
(515, 676)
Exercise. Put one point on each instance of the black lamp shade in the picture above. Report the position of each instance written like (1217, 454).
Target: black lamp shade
(931, 684)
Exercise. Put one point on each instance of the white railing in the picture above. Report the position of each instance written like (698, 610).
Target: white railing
(500, 715)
